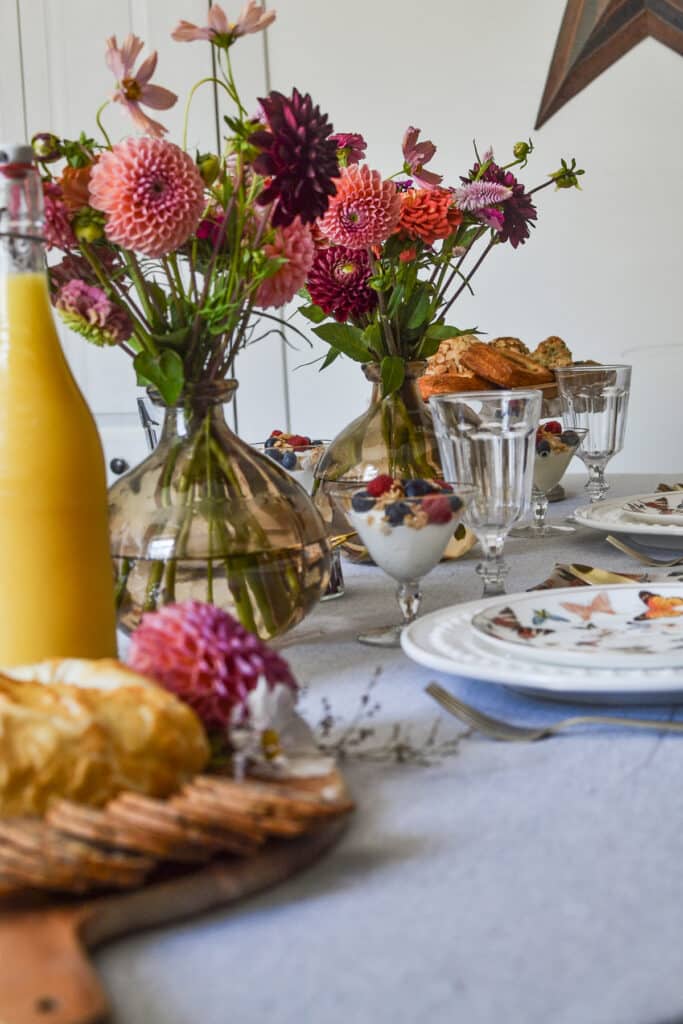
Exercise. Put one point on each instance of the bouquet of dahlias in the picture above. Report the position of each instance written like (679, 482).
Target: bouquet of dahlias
(393, 254)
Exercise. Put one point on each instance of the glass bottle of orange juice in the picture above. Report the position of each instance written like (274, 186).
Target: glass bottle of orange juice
(56, 580)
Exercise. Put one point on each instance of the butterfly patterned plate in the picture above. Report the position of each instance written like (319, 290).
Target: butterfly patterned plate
(610, 517)
(622, 626)
(443, 641)
(656, 508)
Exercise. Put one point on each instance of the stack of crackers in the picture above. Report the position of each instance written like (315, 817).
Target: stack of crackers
(79, 849)
(467, 364)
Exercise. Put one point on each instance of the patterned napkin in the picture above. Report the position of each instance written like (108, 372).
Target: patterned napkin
(579, 575)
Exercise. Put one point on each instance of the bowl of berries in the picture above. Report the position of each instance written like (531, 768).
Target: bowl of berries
(296, 453)
(555, 449)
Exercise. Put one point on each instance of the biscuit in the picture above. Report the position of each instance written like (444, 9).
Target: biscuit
(497, 368)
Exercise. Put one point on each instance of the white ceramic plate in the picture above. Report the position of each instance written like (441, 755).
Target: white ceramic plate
(621, 626)
(445, 642)
(656, 508)
(610, 517)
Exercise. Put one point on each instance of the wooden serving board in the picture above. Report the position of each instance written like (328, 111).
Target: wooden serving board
(45, 974)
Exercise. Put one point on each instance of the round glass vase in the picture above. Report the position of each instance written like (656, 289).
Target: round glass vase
(395, 435)
(207, 518)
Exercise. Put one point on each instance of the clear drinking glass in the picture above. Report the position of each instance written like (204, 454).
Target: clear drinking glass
(555, 448)
(406, 531)
(596, 398)
(488, 438)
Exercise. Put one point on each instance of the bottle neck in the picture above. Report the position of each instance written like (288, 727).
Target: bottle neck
(22, 248)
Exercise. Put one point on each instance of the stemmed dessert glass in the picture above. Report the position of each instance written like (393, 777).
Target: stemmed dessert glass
(406, 530)
(595, 398)
(488, 438)
(555, 448)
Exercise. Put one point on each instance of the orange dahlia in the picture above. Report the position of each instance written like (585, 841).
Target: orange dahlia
(151, 192)
(364, 211)
(74, 183)
(428, 214)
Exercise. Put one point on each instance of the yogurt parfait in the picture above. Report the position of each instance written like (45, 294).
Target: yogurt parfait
(296, 453)
(555, 448)
(406, 526)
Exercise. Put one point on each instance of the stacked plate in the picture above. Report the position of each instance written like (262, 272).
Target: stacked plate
(615, 644)
(654, 520)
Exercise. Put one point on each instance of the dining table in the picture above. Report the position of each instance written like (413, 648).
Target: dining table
(478, 882)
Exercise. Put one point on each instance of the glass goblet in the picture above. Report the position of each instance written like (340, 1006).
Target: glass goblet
(488, 437)
(555, 449)
(406, 534)
(596, 398)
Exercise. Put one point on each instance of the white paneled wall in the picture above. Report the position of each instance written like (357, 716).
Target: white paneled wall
(603, 268)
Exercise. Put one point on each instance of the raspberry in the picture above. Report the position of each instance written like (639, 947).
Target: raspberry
(380, 485)
(276, 433)
(553, 427)
(437, 508)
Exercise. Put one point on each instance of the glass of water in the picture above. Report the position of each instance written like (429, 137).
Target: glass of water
(488, 438)
(595, 398)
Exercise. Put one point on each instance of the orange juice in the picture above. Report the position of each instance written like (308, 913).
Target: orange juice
(56, 581)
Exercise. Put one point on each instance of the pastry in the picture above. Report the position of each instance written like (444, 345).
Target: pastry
(510, 345)
(553, 352)
(448, 357)
(540, 374)
(86, 730)
(500, 369)
(450, 382)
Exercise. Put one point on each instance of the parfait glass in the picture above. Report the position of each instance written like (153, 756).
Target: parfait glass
(406, 530)
(488, 438)
(595, 398)
(555, 448)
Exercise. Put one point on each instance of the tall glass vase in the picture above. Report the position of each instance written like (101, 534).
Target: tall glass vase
(206, 517)
(395, 435)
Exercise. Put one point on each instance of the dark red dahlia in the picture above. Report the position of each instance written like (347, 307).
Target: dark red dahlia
(518, 211)
(298, 156)
(338, 283)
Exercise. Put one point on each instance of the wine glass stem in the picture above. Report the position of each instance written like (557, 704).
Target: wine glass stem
(493, 569)
(597, 487)
(540, 509)
(409, 597)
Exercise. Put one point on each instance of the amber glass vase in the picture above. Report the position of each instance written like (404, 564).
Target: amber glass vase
(206, 517)
(395, 435)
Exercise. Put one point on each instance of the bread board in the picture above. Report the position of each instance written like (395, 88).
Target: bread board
(45, 974)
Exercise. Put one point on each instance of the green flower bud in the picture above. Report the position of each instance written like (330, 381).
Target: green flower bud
(88, 226)
(521, 150)
(208, 165)
(46, 146)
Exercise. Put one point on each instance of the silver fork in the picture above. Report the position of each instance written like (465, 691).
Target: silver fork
(499, 730)
(663, 563)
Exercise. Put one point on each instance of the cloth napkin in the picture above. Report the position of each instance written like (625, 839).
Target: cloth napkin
(580, 575)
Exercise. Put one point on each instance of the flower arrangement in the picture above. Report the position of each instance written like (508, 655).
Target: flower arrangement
(394, 254)
(175, 258)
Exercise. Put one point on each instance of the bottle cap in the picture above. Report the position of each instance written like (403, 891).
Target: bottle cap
(16, 153)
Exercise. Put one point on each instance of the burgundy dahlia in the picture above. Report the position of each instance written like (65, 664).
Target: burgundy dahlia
(297, 155)
(338, 283)
(518, 211)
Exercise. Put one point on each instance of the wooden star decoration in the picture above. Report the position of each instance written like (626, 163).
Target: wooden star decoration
(595, 34)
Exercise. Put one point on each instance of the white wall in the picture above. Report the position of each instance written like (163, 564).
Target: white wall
(603, 267)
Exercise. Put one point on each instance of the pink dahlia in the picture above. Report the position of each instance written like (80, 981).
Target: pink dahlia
(58, 231)
(151, 192)
(86, 309)
(338, 283)
(206, 658)
(364, 211)
(293, 244)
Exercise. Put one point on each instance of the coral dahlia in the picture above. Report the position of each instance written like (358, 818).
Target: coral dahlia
(206, 658)
(86, 309)
(297, 156)
(151, 192)
(428, 214)
(338, 283)
(364, 211)
(294, 244)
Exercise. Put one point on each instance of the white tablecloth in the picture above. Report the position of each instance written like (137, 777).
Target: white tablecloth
(525, 884)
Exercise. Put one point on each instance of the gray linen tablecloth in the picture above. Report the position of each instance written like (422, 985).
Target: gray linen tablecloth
(527, 884)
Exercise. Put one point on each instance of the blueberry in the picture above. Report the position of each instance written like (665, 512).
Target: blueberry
(270, 442)
(315, 444)
(418, 488)
(570, 438)
(275, 453)
(289, 460)
(543, 448)
(396, 512)
(362, 501)
(455, 503)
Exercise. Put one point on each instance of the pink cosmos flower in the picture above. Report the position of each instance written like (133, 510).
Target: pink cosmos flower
(350, 147)
(294, 244)
(364, 211)
(133, 88)
(220, 31)
(416, 155)
(151, 192)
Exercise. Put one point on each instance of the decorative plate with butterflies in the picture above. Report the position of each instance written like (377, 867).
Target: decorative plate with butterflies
(615, 627)
(657, 508)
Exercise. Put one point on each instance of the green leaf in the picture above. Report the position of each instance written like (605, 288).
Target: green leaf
(346, 338)
(393, 370)
(332, 354)
(418, 308)
(372, 338)
(428, 347)
(313, 313)
(396, 298)
(439, 332)
(164, 372)
(176, 339)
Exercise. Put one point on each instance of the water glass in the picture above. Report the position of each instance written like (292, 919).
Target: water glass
(488, 438)
(595, 398)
